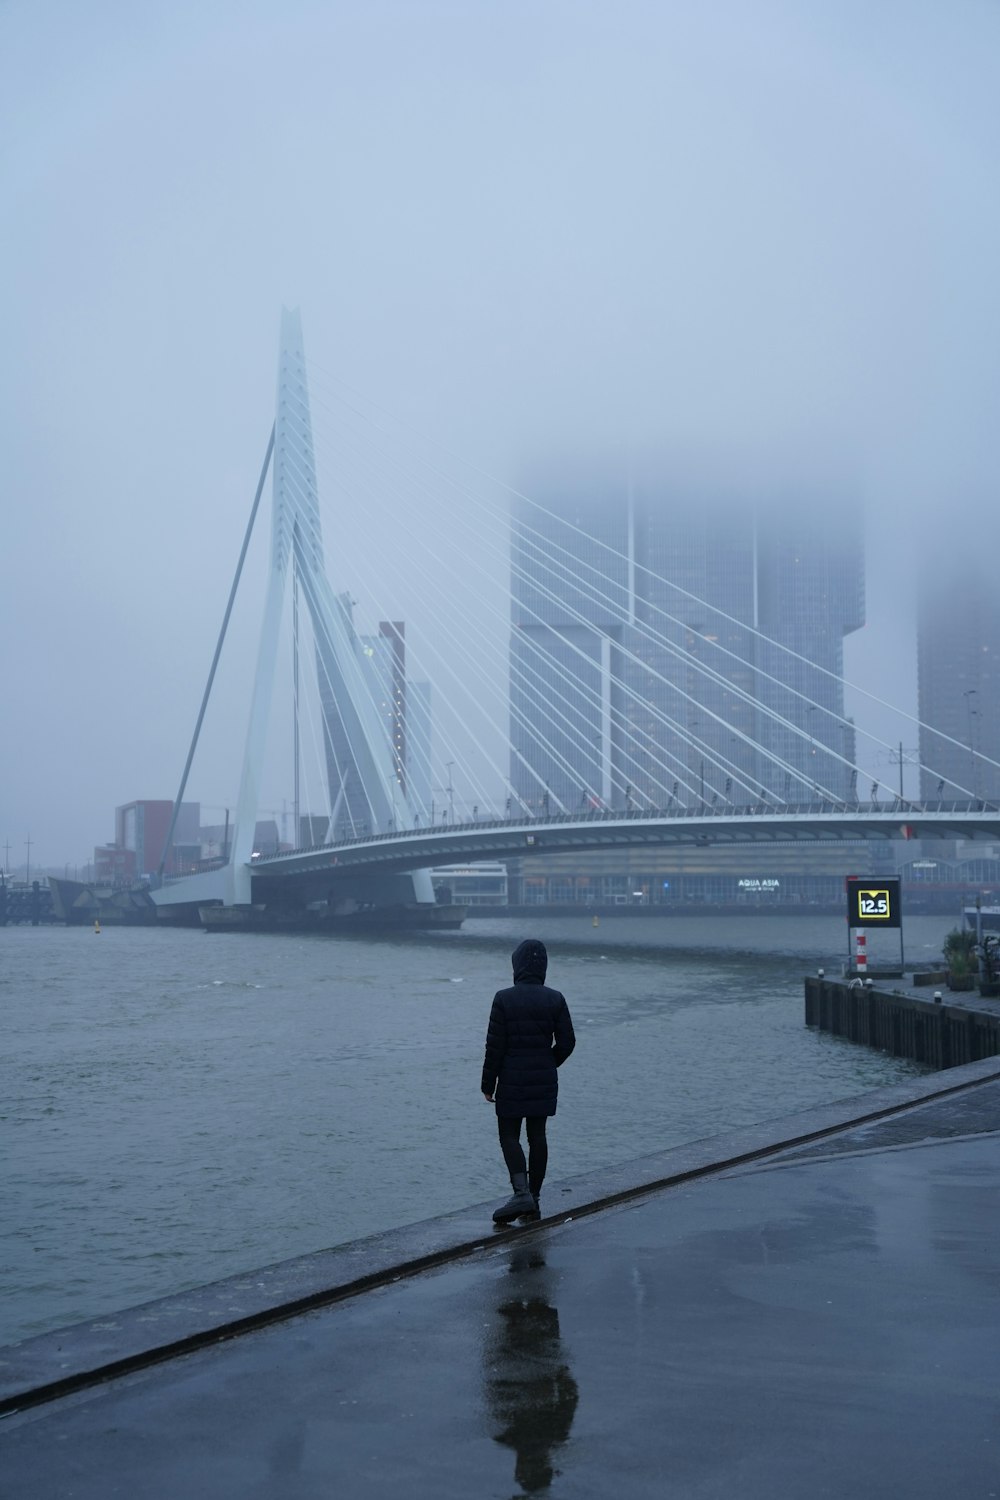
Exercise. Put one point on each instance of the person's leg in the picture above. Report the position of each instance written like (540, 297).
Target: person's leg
(509, 1127)
(538, 1153)
(520, 1202)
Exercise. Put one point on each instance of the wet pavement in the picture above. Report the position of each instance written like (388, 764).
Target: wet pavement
(824, 1321)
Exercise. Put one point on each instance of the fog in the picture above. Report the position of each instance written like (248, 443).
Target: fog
(764, 233)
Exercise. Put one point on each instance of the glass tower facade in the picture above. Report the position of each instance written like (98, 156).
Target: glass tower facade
(958, 681)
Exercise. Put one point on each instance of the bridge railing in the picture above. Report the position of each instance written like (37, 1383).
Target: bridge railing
(904, 808)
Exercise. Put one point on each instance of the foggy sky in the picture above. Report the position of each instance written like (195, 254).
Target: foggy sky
(768, 232)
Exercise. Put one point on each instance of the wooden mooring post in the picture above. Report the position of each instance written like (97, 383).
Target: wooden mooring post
(926, 1031)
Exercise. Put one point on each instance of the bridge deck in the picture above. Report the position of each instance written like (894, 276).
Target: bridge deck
(413, 848)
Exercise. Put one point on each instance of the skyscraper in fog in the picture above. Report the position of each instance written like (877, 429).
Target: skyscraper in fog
(958, 681)
(638, 651)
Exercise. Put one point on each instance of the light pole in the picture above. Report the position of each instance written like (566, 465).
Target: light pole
(899, 757)
(451, 792)
(968, 695)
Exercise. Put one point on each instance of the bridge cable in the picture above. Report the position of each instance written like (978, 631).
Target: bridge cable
(622, 725)
(215, 658)
(369, 688)
(718, 759)
(575, 683)
(779, 645)
(726, 684)
(526, 674)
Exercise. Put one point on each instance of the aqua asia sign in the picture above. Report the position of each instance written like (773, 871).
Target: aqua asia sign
(873, 903)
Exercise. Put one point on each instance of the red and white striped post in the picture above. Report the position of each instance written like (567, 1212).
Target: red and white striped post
(861, 951)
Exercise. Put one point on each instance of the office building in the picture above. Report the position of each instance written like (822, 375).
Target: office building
(958, 681)
(401, 719)
(419, 781)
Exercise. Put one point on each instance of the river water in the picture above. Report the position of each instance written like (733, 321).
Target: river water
(177, 1107)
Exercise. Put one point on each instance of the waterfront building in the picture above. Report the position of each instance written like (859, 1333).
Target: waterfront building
(810, 596)
(402, 717)
(390, 656)
(113, 866)
(785, 873)
(481, 884)
(625, 586)
(141, 830)
(958, 680)
(419, 780)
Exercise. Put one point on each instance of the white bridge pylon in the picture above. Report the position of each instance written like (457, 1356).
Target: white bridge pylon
(297, 539)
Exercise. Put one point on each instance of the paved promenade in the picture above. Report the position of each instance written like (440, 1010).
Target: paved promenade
(817, 1319)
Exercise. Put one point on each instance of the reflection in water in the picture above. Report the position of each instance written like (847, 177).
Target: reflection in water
(530, 1391)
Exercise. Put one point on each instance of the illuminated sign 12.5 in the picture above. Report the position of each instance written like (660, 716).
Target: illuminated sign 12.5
(875, 905)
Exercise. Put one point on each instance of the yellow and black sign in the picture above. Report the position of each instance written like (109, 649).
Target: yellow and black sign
(873, 903)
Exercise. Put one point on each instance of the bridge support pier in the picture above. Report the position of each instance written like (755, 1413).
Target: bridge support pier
(282, 903)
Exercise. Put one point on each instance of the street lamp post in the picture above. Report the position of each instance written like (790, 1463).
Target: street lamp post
(968, 695)
(898, 758)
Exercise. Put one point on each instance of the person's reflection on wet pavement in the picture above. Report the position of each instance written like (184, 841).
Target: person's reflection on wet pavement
(530, 1391)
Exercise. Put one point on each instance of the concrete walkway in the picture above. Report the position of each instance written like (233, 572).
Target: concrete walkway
(821, 1320)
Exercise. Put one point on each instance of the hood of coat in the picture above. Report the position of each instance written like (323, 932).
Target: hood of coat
(529, 961)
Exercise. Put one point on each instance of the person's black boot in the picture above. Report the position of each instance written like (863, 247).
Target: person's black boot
(536, 1212)
(519, 1203)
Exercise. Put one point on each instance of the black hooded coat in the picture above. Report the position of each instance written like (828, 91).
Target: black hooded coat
(530, 1034)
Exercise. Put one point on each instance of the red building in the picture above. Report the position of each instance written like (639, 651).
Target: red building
(140, 835)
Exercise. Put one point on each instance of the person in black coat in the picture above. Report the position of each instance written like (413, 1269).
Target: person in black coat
(529, 1036)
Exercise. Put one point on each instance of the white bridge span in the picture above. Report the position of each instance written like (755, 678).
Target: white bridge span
(395, 853)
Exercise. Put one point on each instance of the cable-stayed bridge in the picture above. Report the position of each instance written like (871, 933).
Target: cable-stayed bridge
(639, 713)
